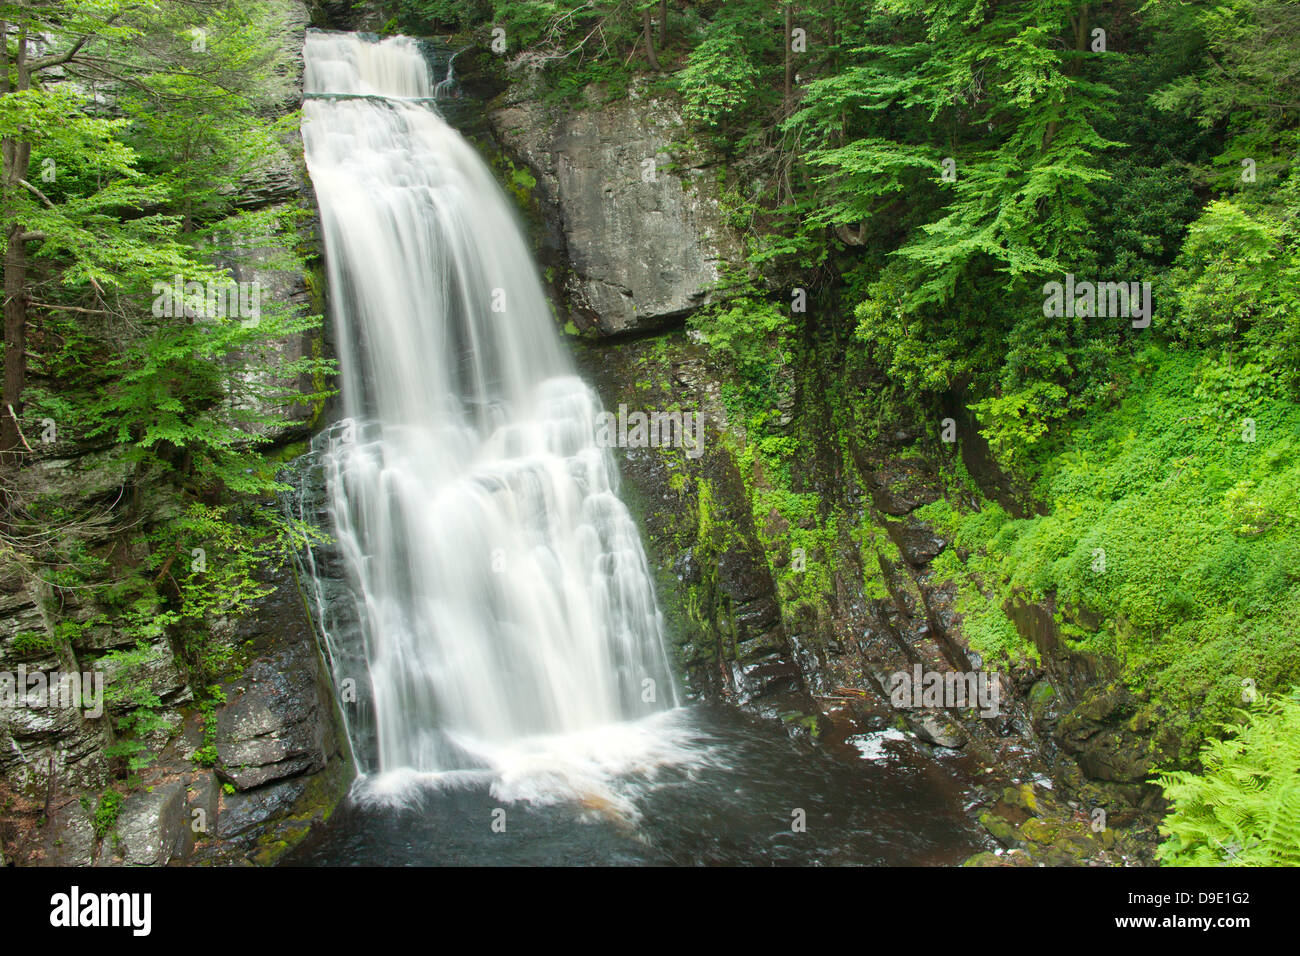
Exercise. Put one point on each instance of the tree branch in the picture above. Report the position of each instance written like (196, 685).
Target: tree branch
(36, 192)
(71, 308)
(19, 428)
(58, 59)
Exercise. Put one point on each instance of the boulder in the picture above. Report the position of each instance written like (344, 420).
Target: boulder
(153, 827)
(939, 730)
(277, 722)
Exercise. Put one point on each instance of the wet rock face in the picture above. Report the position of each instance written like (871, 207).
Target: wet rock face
(830, 669)
(153, 827)
(278, 721)
(280, 764)
(272, 730)
(334, 603)
(918, 543)
(645, 241)
(281, 760)
(899, 486)
(241, 814)
(718, 596)
(52, 757)
(1080, 703)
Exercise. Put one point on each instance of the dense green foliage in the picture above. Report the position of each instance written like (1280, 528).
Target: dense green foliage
(942, 161)
(1173, 519)
(1244, 808)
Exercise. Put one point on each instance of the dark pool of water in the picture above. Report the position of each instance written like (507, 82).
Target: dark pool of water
(904, 810)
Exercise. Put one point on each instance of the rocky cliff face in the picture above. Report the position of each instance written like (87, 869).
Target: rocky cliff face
(645, 235)
(745, 631)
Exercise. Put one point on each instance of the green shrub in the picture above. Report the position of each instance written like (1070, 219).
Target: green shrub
(105, 816)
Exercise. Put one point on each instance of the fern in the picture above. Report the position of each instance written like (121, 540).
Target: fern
(1244, 809)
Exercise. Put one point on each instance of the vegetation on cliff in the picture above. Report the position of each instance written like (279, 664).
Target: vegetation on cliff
(135, 137)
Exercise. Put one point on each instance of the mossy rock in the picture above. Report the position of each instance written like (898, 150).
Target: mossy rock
(1039, 831)
(1022, 796)
(1001, 829)
(1041, 697)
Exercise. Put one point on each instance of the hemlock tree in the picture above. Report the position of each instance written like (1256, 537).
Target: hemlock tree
(42, 116)
(1004, 98)
(967, 137)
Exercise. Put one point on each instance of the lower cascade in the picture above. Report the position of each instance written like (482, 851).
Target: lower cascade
(505, 622)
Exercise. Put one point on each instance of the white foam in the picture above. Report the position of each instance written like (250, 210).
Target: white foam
(872, 746)
(605, 770)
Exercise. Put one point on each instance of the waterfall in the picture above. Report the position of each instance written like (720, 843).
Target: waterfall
(504, 601)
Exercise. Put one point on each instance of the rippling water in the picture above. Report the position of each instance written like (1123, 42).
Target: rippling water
(734, 805)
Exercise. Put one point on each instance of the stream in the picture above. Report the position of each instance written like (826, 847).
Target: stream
(733, 806)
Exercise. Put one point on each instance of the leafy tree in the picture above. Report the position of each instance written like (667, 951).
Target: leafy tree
(1247, 82)
(718, 77)
(1007, 102)
(1238, 266)
(47, 118)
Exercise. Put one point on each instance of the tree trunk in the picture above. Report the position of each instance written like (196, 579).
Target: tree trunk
(17, 155)
(647, 24)
(663, 23)
(15, 339)
(789, 55)
(834, 23)
(1074, 66)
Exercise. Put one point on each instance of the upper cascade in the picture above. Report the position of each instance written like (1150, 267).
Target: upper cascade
(341, 64)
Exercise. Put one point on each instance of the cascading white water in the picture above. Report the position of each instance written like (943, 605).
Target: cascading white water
(506, 606)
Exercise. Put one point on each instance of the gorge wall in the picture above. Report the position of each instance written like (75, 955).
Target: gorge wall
(801, 613)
